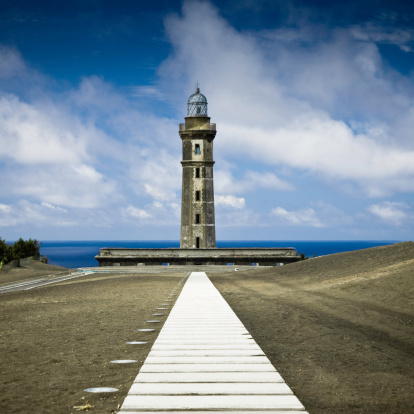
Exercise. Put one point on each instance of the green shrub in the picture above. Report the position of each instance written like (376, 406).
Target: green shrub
(19, 250)
(29, 248)
(6, 252)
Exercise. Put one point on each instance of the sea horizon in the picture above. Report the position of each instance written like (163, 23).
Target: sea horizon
(81, 253)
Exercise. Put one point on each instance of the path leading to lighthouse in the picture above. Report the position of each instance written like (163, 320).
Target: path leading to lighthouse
(205, 360)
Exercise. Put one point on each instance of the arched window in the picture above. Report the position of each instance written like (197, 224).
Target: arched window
(197, 149)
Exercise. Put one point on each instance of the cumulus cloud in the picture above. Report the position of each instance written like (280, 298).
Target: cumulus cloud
(137, 212)
(229, 201)
(303, 217)
(390, 212)
(296, 110)
(291, 103)
(11, 63)
(317, 215)
(52, 207)
(384, 30)
(146, 91)
(249, 181)
(83, 147)
(38, 215)
(158, 175)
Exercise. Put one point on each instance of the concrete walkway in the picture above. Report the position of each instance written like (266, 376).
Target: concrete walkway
(35, 283)
(205, 360)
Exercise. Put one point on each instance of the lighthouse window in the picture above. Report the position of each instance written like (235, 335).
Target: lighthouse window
(197, 149)
(198, 242)
(197, 172)
(197, 219)
(198, 109)
(197, 195)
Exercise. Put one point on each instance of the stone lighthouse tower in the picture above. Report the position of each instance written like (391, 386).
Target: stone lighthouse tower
(197, 203)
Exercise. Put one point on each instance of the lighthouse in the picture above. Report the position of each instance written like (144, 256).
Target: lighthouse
(198, 230)
(197, 202)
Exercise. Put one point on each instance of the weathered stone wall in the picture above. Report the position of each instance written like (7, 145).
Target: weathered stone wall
(202, 256)
(197, 213)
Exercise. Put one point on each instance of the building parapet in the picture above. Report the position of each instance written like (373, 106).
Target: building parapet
(203, 256)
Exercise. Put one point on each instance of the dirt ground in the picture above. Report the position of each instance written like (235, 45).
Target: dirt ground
(57, 340)
(36, 270)
(338, 328)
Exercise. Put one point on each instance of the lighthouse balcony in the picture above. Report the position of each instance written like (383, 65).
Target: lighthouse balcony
(197, 126)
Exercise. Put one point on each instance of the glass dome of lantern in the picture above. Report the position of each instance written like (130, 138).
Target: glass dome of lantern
(197, 104)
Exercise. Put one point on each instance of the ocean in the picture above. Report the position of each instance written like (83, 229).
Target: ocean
(74, 254)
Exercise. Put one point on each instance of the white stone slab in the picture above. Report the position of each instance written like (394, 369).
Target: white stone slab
(204, 332)
(206, 320)
(198, 326)
(207, 352)
(164, 347)
(196, 319)
(211, 388)
(208, 360)
(209, 412)
(207, 368)
(192, 341)
(209, 377)
(211, 402)
(210, 336)
(189, 311)
(191, 318)
(201, 327)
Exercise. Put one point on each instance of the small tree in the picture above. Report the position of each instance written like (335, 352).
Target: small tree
(29, 248)
(6, 252)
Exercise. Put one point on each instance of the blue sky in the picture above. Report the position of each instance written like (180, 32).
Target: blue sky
(313, 101)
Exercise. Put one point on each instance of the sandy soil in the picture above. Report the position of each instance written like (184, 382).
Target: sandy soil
(57, 340)
(36, 270)
(338, 328)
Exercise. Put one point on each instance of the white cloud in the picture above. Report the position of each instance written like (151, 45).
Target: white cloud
(391, 212)
(52, 207)
(83, 147)
(296, 110)
(250, 181)
(32, 214)
(137, 212)
(291, 103)
(32, 134)
(384, 31)
(7, 216)
(303, 217)
(11, 63)
(267, 180)
(146, 91)
(158, 175)
(4, 208)
(66, 185)
(229, 201)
